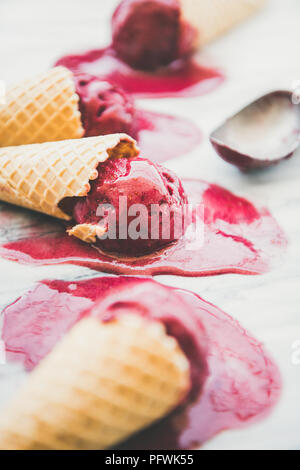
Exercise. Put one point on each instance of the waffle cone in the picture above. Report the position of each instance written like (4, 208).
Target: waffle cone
(39, 176)
(42, 109)
(87, 233)
(212, 18)
(101, 383)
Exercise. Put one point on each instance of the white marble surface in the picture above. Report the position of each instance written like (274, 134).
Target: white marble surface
(262, 55)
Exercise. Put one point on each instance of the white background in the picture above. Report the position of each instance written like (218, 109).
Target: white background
(262, 55)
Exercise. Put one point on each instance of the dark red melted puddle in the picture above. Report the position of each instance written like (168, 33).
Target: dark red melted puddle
(162, 137)
(243, 382)
(182, 78)
(238, 238)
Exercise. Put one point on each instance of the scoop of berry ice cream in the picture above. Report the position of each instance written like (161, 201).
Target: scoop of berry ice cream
(141, 200)
(148, 34)
(105, 109)
(162, 304)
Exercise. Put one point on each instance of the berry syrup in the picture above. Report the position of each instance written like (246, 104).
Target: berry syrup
(182, 78)
(242, 385)
(237, 238)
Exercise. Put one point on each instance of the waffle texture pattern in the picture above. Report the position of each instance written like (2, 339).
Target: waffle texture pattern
(101, 383)
(42, 109)
(39, 176)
